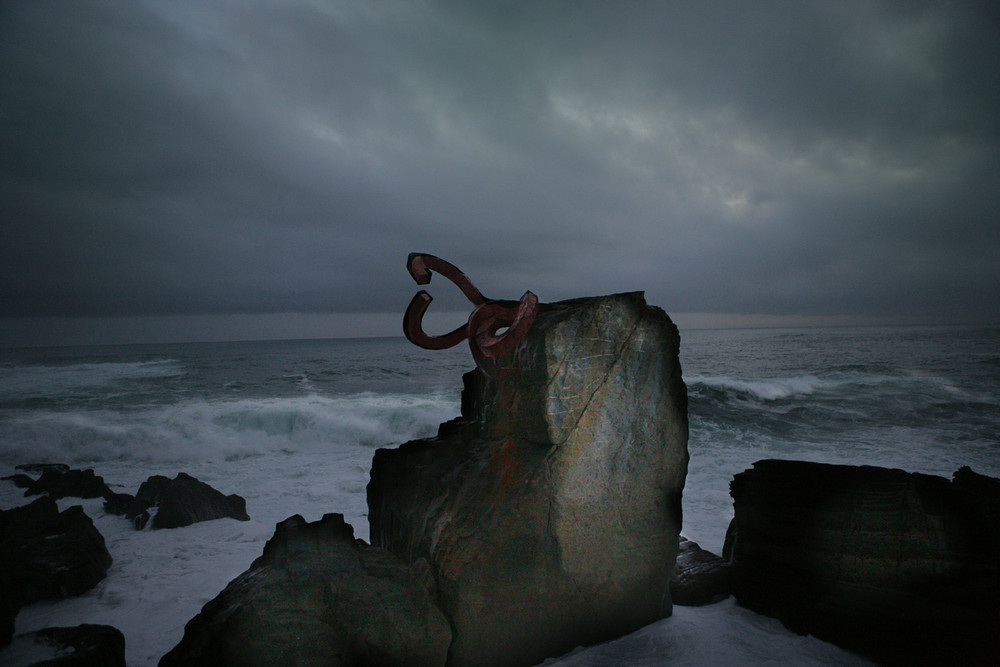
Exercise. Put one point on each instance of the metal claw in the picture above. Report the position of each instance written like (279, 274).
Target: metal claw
(486, 319)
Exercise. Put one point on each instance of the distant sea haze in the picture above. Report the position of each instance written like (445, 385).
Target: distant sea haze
(292, 427)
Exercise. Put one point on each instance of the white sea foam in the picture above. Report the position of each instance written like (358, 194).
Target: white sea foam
(762, 389)
(199, 430)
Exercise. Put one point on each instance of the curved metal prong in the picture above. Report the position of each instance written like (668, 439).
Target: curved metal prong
(489, 318)
(413, 326)
(420, 265)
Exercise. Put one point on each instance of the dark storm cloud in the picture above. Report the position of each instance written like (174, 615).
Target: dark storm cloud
(781, 158)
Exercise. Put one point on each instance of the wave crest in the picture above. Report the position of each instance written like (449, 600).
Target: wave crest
(231, 429)
(762, 389)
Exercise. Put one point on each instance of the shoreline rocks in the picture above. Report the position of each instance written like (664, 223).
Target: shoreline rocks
(179, 502)
(700, 577)
(317, 596)
(46, 554)
(84, 645)
(898, 566)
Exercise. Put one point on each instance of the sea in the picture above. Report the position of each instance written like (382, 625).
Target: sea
(292, 426)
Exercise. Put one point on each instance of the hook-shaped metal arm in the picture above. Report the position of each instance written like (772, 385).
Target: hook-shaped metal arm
(486, 319)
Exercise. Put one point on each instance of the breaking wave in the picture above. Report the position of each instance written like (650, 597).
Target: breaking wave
(223, 429)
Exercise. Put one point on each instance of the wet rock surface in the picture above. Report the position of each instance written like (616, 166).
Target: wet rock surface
(81, 646)
(46, 554)
(58, 482)
(549, 511)
(180, 502)
(700, 577)
(317, 596)
(898, 566)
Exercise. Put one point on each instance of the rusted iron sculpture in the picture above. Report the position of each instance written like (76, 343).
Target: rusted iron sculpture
(488, 317)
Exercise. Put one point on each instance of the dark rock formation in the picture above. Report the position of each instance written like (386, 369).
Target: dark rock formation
(20, 480)
(185, 500)
(40, 468)
(181, 501)
(128, 506)
(700, 577)
(549, 511)
(45, 554)
(58, 483)
(901, 567)
(80, 646)
(317, 596)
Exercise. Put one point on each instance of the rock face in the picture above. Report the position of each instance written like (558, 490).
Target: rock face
(898, 566)
(549, 511)
(47, 554)
(700, 577)
(80, 646)
(317, 596)
(58, 483)
(181, 501)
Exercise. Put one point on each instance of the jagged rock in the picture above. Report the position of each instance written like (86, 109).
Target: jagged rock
(20, 480)
(549, 511)
(151, 491)
(81, 646)
(39, 468)
(181, 501)
(47, 554)
(317, 596)
(128, 506)
(901, 567)
(58, 483)
(700, 577)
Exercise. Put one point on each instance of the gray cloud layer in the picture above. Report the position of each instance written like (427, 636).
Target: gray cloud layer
(815, 158)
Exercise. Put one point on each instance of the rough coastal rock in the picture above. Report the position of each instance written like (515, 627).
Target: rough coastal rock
(181, 501)
(549, 511)
(898, 566)
(700, 577)
(57, 482)
(81, 646)
(317, 596)
(46, 554)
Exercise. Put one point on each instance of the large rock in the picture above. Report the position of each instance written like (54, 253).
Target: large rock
(186, 500)
(700, 577)
(549, 511)
(57, 482)
(317, 596)
(898, 566)
(181, 501)
(46, 554)
(81, 646)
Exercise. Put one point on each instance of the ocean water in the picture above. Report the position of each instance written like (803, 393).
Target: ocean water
(292, 426)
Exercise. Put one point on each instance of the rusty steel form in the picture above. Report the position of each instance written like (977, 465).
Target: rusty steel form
(488, 317)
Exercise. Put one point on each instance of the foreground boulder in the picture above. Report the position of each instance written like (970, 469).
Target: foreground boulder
(181, 501)
(46, 554)
(549, 511)
(898, 566)
(57, 482)
(700, 577)
(317, 596)
(81, 646)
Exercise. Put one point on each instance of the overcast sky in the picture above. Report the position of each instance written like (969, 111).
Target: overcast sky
(204, 165)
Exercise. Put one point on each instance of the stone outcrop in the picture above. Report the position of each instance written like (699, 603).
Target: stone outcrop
(181, 501)
(59, 483)
(317, 596)
(700, 577)
(46, 554)
(898, 566)
(81, 646)
(549, 511)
